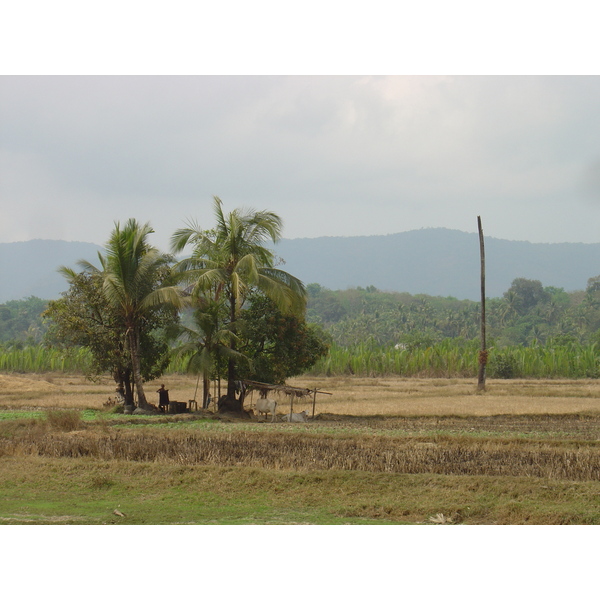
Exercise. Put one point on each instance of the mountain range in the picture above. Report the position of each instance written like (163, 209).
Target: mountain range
(30, 268)
(436, 261)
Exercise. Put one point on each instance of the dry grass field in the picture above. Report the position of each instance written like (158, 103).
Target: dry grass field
(379, 451)
(426, 397)
(349, 396)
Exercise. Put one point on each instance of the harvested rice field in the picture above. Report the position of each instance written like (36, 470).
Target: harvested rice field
(342, 395)
(377, 451)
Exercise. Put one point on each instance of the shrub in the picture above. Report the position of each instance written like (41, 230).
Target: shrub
(502, 366)
(65, 420)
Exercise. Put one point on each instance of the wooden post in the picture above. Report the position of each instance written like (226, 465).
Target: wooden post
(483, 351)
(314, 401)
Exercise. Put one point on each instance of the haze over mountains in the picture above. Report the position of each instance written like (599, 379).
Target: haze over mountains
(30, 268)
(437, 262)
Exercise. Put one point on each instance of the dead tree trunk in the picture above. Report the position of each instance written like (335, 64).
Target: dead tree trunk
(483, 351)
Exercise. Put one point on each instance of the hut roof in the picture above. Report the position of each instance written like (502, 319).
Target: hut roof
(285, 389)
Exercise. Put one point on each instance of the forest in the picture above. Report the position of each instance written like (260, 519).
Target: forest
(532, 331)
(528, 313)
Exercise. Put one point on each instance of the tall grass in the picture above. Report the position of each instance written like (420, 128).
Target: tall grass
(448, 358)
(440, 360)
(546, 362)
(451, 359)
(41, 359)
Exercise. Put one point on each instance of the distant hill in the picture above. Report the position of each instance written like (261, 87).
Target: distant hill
(30, 268)
(437, 262)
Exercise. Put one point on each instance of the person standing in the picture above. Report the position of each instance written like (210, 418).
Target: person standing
(163, 398)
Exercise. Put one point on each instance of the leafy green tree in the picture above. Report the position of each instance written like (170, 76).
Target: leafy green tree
(525, 294)
(324, 305)
(278, 345)
(230, 261)
(593, 285)
(135, 283)
(20, 320)
(82, 317)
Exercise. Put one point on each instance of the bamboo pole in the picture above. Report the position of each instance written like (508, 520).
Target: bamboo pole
(483, 351)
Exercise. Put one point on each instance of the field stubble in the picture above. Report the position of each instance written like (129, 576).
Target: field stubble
(527, 440)
(349, 395)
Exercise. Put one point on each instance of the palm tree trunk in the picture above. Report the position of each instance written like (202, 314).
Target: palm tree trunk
(134, 350)
(231, 370)
(231, 378)
(205, 390)
(231, 362)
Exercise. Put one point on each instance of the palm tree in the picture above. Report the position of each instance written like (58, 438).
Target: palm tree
(134, 275)
(206, 342)
(231, 260)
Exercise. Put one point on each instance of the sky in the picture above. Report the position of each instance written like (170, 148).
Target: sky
(332, 155)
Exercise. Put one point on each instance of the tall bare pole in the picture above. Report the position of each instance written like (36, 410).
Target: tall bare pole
(483, 352)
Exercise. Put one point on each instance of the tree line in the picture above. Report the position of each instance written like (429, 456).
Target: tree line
(21, 322)
(528, 313)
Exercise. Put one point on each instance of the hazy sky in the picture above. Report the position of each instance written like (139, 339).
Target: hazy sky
(332, 155)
